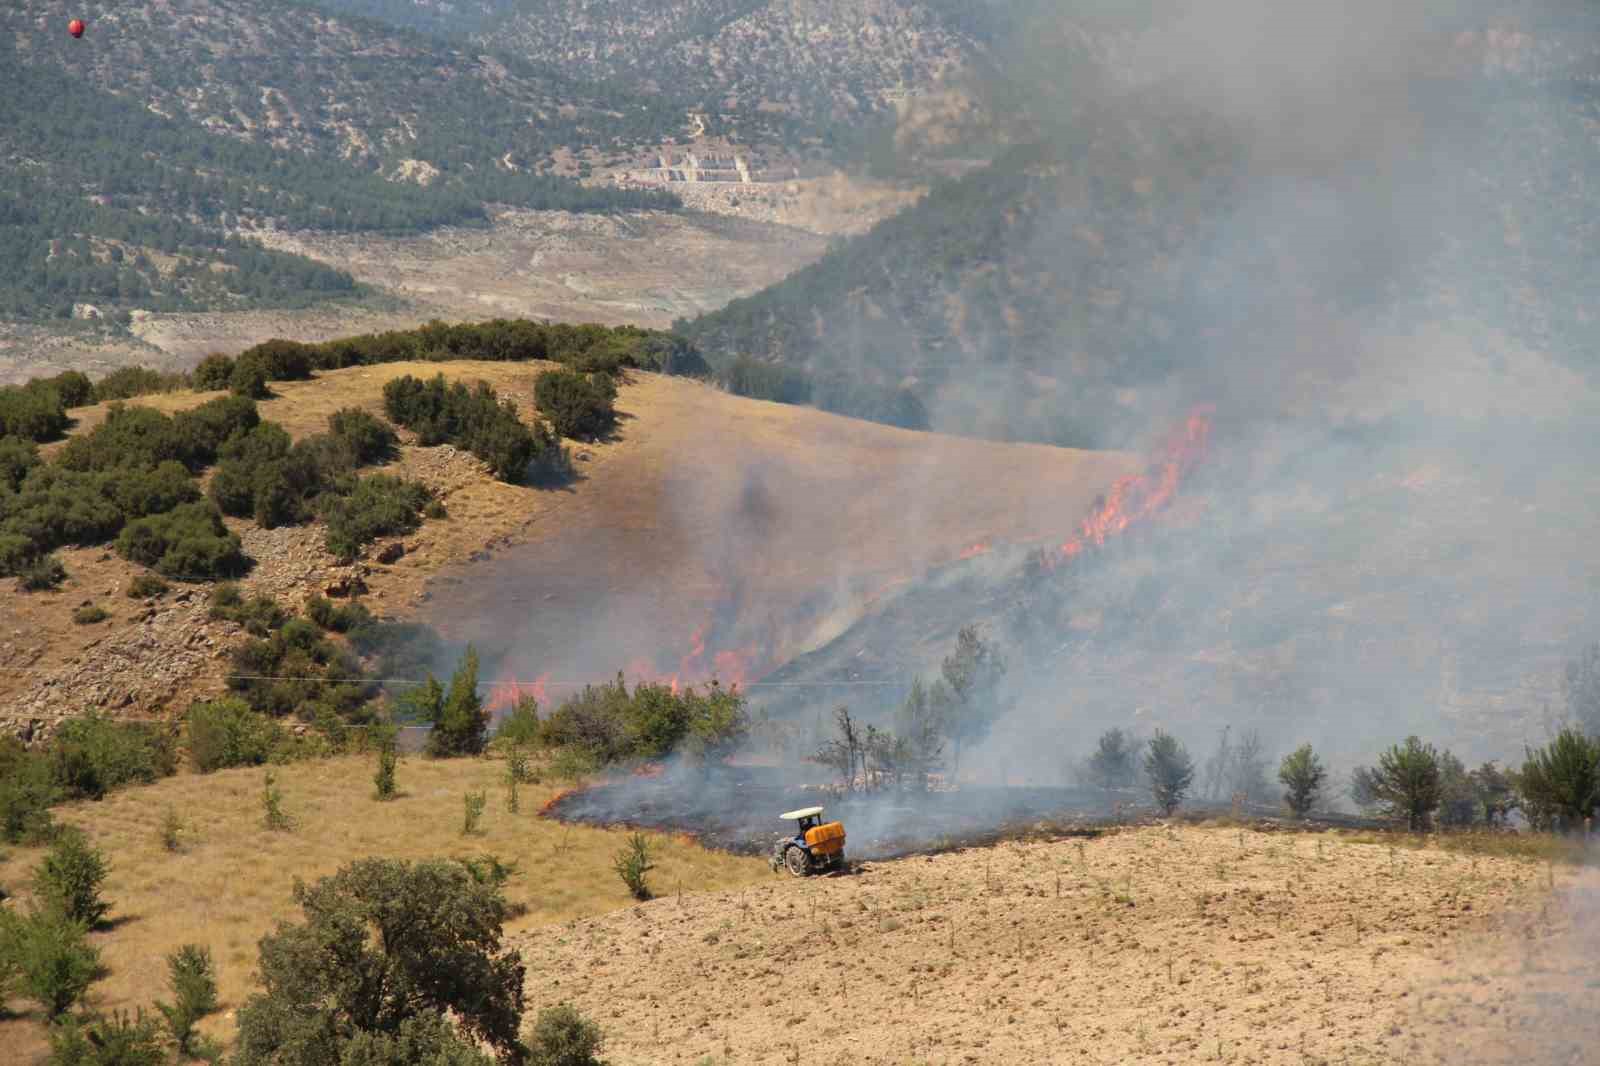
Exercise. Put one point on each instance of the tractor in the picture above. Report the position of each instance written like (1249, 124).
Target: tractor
(816, 847)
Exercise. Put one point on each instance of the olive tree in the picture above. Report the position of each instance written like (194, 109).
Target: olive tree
(389, 952)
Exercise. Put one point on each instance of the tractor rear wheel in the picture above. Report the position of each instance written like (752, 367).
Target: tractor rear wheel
(798, 862)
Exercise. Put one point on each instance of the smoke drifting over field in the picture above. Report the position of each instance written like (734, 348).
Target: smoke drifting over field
(1359, 234)
(1389, 534)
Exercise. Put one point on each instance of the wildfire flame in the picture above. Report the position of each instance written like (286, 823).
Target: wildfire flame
(1128, 501)
(1138, 496)
(980, 548)
(507, 692)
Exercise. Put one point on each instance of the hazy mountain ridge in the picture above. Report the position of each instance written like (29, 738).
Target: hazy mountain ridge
(783, 70)
(1150, 236)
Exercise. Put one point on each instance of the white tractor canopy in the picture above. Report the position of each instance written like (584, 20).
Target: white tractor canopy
(803, 812)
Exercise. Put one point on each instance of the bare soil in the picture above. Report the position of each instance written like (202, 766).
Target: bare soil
(1161, 944)
(642, 269)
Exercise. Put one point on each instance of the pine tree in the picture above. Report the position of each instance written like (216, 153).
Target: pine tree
(463, 724)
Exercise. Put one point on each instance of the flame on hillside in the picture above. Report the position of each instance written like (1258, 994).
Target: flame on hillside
(972, 551)
(1136, 497)
(507, 692)
(1129, 501)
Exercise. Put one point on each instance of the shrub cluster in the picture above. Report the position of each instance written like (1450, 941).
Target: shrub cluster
(581, 406)
(188, 542)
(377, 506)
(266, 477)
(475, 419)
(589, 348)
(608, 723)
(86, 758)
(133, 470)
(296, 670)
(228, 732)
(131, 381)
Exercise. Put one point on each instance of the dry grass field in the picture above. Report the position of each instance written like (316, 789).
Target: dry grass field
(785, 519)
(1161, 944)
(231, 882)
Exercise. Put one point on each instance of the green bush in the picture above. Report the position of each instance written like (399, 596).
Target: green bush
(17, 457)
(32, 413)
(188, 543)
(372, 439)
(194, 993)
(475, 419)
(379, 506)
(214, 372)
(577, 405)
(426, 1038)
(129, 437)
(249, 377)
(41, 574)
(1302, 775)
(297, 671)
(204, 429)
(56, 507)
(27, 790)
(632, 862)
(1406, 783)
(1560, 783)
(1170, 770)
(131, 381)
(69, 878)
(385, 739)
(340, 619)
(72, 386)
(120, 1040)
(607, 723)
(521, 726)
(228, 732)
(429, 930)
(92, 755)
(88, 616)
(52, 955)
(472, 804)
(283, 360)
(563, 1037)
(460, 724)
(17, 553)
(260, 615)
(144, 586)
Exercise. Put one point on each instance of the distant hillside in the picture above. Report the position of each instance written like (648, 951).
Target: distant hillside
(1154, 236)
(775, 70)
(128, 156)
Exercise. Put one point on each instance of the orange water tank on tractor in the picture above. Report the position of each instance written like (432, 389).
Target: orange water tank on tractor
(818, 846)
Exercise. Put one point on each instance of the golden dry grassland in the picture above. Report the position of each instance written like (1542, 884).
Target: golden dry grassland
(232, 880)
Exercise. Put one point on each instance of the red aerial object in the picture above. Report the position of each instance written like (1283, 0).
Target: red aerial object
(75, 27)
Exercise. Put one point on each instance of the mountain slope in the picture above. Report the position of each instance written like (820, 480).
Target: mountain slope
(758, 70)
(1166, 233)
(156, 137)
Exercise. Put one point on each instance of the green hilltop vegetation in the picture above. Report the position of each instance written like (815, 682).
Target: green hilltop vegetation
(131, 481)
